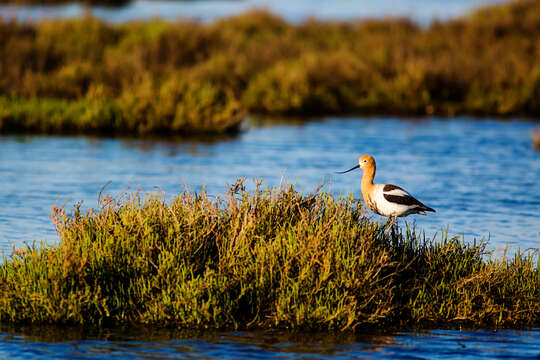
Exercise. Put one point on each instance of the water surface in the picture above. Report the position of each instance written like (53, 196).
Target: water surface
(481, 176)
(421, 11)
(148, 343)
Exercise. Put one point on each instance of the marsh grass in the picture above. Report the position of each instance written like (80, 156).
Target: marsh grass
(269, 258)
(145, 77)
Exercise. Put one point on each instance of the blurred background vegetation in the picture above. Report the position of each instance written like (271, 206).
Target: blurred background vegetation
(89, 76)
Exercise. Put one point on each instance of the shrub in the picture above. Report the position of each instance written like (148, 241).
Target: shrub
(271, 258)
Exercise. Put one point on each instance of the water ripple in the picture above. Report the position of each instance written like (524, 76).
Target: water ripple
(151, 343)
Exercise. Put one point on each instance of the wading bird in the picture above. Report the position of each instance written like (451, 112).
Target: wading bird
(386, 199)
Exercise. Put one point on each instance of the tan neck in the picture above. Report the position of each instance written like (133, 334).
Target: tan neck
(367, 179)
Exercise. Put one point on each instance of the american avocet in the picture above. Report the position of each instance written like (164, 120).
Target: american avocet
(386, 199)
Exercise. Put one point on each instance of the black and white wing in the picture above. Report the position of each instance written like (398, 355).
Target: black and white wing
(396, 195)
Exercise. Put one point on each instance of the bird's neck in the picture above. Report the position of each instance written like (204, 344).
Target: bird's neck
(367, 179)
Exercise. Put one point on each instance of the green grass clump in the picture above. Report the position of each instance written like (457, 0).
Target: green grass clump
(270, 258)
(130, 77)
(176, 107)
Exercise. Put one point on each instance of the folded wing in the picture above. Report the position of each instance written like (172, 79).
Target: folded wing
(396, 195)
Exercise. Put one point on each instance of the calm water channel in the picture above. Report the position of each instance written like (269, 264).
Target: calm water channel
(482, 176)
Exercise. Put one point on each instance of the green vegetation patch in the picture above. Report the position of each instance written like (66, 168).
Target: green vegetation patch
(270, 258)
(176, 107)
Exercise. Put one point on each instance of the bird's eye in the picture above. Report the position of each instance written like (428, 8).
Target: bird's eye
(365, 160)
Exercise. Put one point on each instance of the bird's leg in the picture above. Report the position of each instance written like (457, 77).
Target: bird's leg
(389, 223)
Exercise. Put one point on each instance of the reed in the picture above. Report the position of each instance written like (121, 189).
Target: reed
(267, 258)
(535, 134)
(145, 77)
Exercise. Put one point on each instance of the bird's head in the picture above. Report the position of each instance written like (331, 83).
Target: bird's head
(365, 161)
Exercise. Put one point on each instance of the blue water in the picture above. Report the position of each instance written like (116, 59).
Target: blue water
(421, 11)
(149, 343)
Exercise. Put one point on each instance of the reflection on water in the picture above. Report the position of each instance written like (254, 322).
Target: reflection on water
(151, 343)
(421, 11)
(170, 145)
(480, 175)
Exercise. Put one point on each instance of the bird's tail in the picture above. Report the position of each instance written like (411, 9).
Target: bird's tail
(424, 209)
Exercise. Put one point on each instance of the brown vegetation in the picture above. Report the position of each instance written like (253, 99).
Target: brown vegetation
(154, 76)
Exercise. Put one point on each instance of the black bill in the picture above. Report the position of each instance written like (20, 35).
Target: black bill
(343, 172)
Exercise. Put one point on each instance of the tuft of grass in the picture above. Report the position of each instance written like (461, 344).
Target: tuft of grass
(269, 258)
